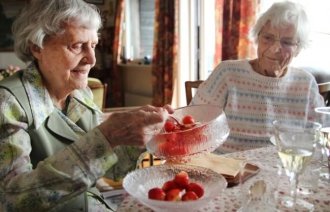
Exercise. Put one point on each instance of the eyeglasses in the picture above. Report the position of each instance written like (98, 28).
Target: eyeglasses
(286, 43)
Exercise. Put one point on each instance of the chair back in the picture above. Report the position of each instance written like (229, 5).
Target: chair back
(324, 89)
(99, 90)
(190, 85)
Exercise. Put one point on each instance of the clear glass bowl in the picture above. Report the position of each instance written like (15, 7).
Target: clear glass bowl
(136, 185)
(210, 133)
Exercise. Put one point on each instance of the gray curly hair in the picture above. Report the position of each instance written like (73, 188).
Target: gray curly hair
(41, 18)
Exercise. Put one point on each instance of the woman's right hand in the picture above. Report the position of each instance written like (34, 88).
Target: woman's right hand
(129, 128)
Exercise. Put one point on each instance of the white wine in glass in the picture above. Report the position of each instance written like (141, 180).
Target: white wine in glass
(295, 159)
(295, 143)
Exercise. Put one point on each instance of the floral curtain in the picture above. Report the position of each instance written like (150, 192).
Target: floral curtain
(115, 96)
(164, 60)
(234, 18)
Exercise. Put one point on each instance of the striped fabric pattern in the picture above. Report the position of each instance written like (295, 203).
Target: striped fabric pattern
(252, 101)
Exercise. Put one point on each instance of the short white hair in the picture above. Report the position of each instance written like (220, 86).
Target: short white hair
(282, 14)
(41, 18)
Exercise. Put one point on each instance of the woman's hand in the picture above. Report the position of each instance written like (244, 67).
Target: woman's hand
(129, 128)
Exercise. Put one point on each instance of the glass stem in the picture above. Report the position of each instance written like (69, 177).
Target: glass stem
(294, 184)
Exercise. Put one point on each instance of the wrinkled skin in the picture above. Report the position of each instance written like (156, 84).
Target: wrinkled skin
(130, 128)
(273, 60)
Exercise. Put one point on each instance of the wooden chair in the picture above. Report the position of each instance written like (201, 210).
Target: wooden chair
(190, 85)
(99, 90)
(324, 89)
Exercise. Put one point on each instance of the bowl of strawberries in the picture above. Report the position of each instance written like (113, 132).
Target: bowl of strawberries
(189, 131)
(174, 187)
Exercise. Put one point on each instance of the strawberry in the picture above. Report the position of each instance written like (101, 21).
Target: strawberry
(189, 195)
(156, 194)
(188, 119)
(168, 185)
(169, 126)
(197, 188)
(181, 179)
(173, 195)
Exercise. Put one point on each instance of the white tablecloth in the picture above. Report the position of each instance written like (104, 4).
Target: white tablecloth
(267, 159)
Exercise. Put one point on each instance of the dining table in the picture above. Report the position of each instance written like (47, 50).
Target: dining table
(268, 161)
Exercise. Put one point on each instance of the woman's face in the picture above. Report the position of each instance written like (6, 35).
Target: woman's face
(66, 59)
(276, 49)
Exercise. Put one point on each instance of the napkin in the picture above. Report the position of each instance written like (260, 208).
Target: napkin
(228, 167)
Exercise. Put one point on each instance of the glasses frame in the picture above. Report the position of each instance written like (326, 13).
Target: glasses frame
(285, 43)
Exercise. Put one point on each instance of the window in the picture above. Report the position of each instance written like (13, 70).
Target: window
(137, 40)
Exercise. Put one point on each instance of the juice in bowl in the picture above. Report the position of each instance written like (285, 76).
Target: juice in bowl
(197, 129)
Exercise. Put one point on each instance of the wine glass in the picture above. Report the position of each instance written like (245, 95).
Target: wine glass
(324, 118)
(295, 142)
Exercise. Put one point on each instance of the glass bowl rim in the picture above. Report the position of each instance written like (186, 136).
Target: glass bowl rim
(221, 112)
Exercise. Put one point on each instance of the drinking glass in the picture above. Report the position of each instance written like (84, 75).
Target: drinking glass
(324, 119)
(256, 194)
(295, 142)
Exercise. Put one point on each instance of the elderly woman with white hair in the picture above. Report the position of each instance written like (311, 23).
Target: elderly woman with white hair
(255, 92)
(53, 146)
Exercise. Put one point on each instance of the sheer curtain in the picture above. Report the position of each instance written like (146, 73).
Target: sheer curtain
(132, 21)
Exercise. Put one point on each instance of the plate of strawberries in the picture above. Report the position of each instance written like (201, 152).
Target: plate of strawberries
(174, 187)
(189, 131)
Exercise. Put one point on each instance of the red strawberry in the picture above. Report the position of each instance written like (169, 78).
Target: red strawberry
(168, 185)
(182, 179)
(188, 119)
(197, 188)
(173, 195)
(156, 194)
(189, 195)
(169, 126)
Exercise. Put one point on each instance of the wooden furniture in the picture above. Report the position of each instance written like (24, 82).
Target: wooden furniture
(324, 89)
(190, 85)
(99, 90)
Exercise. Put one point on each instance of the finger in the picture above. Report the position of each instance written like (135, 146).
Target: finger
(153, 118)
(169, 109)
(148, 108)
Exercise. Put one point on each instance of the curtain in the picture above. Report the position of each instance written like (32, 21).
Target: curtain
(115, 96)
(164, 60)
(234, 19)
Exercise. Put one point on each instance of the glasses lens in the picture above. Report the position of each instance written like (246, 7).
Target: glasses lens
(286, 43)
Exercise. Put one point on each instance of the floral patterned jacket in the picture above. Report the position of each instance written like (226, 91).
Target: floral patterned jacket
(67, 173)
